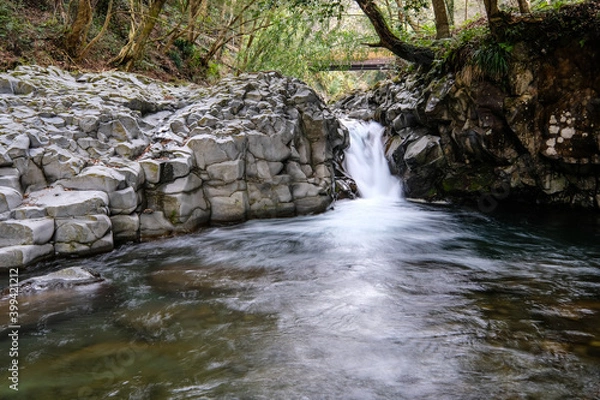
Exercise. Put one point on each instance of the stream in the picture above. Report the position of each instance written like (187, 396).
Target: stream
(378, 298)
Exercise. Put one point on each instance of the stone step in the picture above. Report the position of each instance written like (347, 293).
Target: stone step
(18, 256)
(9, 198)
(10, 177)
(26, 232)
(70, 203)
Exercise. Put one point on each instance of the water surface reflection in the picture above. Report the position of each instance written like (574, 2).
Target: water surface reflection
(371, 300)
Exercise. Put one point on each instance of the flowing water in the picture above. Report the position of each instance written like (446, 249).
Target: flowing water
(365, 161)
(376, 299)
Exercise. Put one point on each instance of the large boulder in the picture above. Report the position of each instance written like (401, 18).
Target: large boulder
(90, 160)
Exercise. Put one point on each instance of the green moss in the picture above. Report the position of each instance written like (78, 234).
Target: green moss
(468, 181)
(173, 217)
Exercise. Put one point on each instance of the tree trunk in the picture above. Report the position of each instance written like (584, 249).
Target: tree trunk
(96, 39)
(442, 26)
(495, 17)
(75, 39)
(491, 8)
(134, 49)
(408, 52)
(401, 15)
(450, 8)
(196, 8)
(524, 6)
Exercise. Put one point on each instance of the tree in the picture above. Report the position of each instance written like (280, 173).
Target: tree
(76, 36)
(423, 55)
(387, 39)
(442, 26)
(491, 8)
(142, 23)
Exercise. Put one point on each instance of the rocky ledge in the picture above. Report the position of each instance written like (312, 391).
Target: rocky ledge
(532, 139)
(91, 160)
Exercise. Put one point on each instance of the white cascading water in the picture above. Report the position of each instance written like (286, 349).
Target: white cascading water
(365, 161)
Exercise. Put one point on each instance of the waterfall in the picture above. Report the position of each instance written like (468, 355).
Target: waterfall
(365, 161)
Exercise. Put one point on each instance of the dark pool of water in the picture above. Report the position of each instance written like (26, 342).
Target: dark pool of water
(372, 300)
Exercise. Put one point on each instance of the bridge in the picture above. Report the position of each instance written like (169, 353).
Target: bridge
(371, 64)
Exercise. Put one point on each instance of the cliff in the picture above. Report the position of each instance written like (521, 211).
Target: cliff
(528, 134)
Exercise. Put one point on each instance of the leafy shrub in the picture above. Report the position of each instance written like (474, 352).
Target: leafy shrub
(492, 59)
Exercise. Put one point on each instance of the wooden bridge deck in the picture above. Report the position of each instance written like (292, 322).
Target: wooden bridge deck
(375, 64)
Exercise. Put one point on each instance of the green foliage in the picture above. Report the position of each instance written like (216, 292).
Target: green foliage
(415, 5)
(321, 10)
(474, 54)
(451, 51)
(493, 59)
(429, 30)
(299, 44)
(176, 58)
(10, 23)
(555, 5)
(186, 48)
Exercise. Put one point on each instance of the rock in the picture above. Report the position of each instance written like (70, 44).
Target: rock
(266, 148)
(227, 171)
(304, 96)
(229, 209)
(130, 150)
(208, 149)
(424, 151)
(123, 201)
(16, 87)
(186, 184)
(29, 212)
(123, 129)
(96, 178)
(26, 232)
(58, 163)
(154, 224)
(311, 205)
(9, 177)
(32, 176)
(61, 203)
(125, 227)
(5, 160)
(153, 159)
(9, 199)
(132, 171)
(19, 146)
(83, 235)
(84, 229)
(151, 170)
(61, 279)
(176, 168)
(17, 256)
(179, 206)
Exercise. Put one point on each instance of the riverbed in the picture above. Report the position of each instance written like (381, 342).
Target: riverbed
(375, 299)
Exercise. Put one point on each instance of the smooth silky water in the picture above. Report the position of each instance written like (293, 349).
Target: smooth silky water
(378, 298)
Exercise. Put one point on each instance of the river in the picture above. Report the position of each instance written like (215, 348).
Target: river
(378, 298)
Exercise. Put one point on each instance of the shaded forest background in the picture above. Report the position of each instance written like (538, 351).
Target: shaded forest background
(202, 40)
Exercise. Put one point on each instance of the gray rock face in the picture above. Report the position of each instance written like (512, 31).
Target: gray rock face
(90, 160)
(83, 235)
(535, 140)
(16, 256)
(67, 277)
(27, 231)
